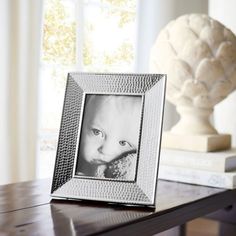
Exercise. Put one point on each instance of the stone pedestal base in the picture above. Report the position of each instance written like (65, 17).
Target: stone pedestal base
(198, 143)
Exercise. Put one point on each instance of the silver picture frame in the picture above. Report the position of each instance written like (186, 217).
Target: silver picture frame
(140, 188)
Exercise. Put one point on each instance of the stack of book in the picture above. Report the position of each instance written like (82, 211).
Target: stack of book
(215, 169)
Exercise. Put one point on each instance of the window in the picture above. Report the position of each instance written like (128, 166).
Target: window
(85, 35)
(109, 35)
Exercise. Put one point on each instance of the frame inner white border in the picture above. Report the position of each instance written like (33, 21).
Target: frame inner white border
(142, 95)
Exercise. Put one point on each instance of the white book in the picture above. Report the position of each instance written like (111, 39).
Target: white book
(199, 177)
(221, 161)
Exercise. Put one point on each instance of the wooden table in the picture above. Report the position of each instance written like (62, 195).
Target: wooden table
(27, 209)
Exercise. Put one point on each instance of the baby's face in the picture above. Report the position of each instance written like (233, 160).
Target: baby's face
(110, 129)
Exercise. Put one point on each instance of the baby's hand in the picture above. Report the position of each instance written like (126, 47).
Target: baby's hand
(122, 168)
(100, 171)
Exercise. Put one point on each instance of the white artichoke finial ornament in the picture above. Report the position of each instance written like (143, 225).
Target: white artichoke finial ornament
(198, 54)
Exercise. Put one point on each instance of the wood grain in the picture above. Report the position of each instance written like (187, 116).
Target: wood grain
(26, 209)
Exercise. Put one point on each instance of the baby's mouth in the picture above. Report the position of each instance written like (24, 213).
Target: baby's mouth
(98, 162)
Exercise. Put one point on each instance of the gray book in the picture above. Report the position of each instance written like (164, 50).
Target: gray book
(222, 161)
(200, 177)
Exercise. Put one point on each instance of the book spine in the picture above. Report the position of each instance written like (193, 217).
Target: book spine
(207, 178)
(208, 164)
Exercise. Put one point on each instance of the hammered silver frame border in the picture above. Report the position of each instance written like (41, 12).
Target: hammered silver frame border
(142, 191)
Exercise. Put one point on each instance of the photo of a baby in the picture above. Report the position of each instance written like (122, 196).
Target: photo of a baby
(109, 137)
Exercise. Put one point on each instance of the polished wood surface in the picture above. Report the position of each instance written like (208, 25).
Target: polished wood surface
(27, 209)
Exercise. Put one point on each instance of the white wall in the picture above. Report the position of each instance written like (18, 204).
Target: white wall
(225, 111)
(4, 57)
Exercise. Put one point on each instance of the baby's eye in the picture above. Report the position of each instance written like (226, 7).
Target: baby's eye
(124, 143)
(97, 132)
